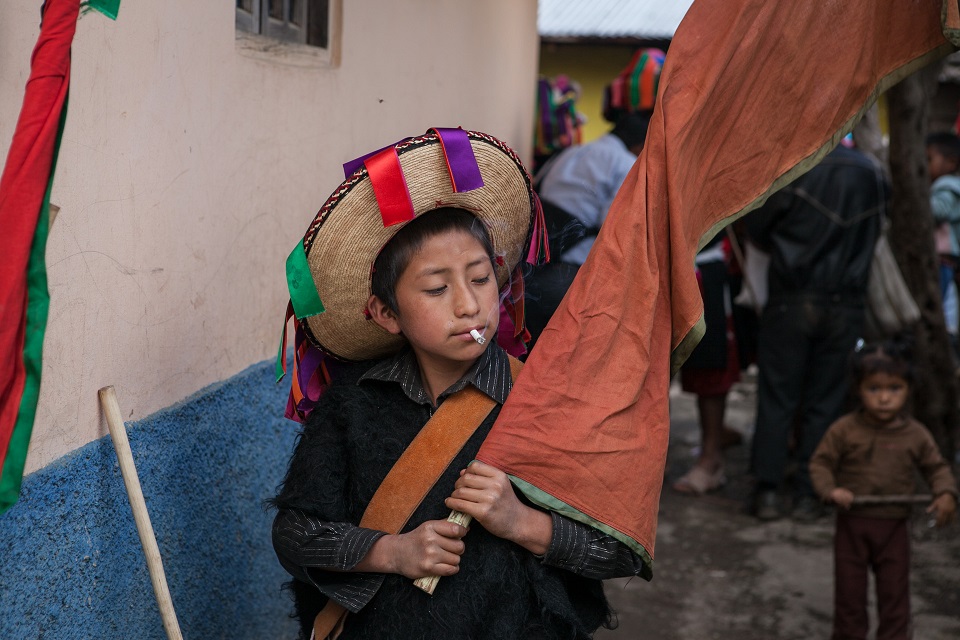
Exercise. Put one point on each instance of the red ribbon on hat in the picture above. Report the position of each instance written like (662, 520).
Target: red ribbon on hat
(389, 187)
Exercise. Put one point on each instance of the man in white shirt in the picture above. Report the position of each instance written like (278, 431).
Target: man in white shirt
(583, 180)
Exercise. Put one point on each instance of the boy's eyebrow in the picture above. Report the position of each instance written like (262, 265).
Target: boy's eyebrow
(439, 270)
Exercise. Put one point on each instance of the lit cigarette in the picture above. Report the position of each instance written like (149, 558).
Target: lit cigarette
(476, 336)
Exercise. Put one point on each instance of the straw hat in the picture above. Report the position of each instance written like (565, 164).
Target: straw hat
(369, 207)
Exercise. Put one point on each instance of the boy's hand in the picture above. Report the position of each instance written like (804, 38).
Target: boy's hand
(485, 493)
(432, 549)
(841, 497)
(945, 506)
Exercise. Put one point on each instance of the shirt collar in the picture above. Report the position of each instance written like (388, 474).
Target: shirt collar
(490, 374)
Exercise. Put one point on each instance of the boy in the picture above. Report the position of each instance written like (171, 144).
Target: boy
(436, 278)
(874, 453)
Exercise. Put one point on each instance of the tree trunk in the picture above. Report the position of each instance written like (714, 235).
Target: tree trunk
(911, 229)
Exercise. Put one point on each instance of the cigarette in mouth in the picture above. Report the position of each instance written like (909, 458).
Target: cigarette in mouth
(476, 336)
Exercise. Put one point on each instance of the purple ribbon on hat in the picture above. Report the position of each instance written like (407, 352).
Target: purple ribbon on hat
(461, 161)
(356, 163)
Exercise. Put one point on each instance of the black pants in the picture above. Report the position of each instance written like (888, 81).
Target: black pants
(803, 354)
(883, 546)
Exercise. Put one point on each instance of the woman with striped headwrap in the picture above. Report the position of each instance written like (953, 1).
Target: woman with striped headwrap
(578, 184)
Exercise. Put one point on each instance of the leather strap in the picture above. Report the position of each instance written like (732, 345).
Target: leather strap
(414, 474)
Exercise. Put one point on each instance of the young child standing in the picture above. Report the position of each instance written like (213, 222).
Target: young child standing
(876, 451)
(406, 303)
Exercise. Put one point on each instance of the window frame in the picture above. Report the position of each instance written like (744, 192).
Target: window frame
(286, 29)
(246, 21)
(276, 41)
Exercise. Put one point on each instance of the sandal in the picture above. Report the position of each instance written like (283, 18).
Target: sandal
(699, 481)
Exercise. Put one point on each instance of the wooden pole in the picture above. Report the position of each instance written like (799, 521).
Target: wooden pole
(118, 433)
(430, 583)
(893, 499)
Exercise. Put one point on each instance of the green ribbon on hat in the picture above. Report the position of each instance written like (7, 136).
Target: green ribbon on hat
(303, 291)
(108, 8)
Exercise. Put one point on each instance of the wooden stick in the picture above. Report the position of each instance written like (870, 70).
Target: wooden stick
(111, 409)
(893, 499)
(430, 583)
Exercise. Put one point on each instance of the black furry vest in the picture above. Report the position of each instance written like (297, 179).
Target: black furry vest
(502, 592)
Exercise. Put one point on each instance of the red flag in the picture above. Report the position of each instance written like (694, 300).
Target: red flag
(753, 93)
(24, 202)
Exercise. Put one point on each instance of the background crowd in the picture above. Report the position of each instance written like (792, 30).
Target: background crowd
(786, 293)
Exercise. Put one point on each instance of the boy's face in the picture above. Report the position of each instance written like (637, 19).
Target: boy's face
(884, 396)
(938, 164)
(448, 288)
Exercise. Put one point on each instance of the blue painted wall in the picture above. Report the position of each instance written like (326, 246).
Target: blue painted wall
(71, 565)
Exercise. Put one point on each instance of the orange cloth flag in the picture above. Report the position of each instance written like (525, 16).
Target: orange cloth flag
(753, 93)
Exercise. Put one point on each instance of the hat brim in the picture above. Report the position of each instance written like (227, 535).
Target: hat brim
(348, 233)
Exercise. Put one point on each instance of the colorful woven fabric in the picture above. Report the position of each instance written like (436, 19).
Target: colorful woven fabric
(754, 94)
(635, 88)
(558, 121)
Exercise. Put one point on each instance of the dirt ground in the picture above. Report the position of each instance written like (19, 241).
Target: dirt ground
(721, 574)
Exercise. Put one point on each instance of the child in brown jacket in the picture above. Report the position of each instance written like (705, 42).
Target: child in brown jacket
(875, 451)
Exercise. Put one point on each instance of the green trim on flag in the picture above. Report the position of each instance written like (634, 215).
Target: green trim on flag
(38, 306)
(543, 499)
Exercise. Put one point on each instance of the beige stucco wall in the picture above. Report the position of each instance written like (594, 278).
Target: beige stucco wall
(190, 166)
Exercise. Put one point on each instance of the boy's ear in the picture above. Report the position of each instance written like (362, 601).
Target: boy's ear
(383, 315)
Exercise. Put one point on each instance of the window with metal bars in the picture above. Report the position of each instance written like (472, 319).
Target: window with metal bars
(300, 21)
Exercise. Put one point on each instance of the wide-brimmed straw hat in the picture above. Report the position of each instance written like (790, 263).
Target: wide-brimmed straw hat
(329, 272)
